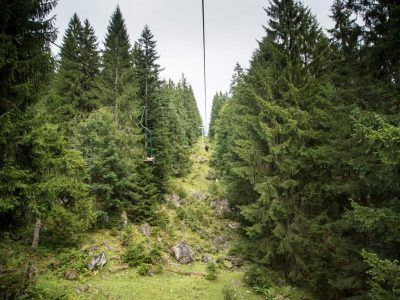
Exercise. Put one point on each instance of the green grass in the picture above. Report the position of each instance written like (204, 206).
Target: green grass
(129, 285)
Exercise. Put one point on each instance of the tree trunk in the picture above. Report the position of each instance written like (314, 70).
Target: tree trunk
(36, 232)
(124, 218)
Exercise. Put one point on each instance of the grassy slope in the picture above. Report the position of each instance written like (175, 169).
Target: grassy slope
(194, 222)
(199, 230)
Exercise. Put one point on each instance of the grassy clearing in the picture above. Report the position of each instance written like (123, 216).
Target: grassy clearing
(129, 285)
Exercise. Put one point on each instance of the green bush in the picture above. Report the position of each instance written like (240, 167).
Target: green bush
(126, 236)
(63, 227)
(229, 293)
(48, 290)
(137, 255)
(257, 277)
(212, 271)
(181, 193)
(159, 219)
(70, 260)
(149, 269)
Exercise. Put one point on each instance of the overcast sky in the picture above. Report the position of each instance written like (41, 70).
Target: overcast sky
(232, 30)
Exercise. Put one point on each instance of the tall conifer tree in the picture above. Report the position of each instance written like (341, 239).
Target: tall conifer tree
(117, 61)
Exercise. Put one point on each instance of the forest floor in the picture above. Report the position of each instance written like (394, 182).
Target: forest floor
(189, 217)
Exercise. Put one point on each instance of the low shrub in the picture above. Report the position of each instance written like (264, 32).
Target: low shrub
(137, 255)
(149, 269)
(72, 260)
(212, 271)
(229, 293)
(126, 236)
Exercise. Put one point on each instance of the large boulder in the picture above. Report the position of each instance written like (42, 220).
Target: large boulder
(183, 253)
(97, 261)
(145, 229)
(221, 206)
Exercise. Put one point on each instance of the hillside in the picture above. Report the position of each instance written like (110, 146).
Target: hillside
(191, 216)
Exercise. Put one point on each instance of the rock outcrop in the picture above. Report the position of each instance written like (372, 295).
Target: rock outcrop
(145, 229)
(183, 253)
(97, 261)
(221, 206)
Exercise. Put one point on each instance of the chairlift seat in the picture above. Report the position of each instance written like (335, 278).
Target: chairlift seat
(149, 159)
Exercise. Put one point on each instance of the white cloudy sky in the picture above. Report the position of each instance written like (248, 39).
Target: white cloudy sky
(232, 29)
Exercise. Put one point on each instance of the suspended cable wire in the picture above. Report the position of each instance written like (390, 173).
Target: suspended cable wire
(204, 67)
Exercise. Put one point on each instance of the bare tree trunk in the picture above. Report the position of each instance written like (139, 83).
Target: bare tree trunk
(124, 218)
(36, 232)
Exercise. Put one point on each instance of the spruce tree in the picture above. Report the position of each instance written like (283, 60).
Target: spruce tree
(26, 32)
(218, 102)
(116, 62)
(147, 71)
(78, 70)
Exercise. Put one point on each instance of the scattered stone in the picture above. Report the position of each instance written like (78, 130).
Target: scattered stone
(107, 247)
(199, 196)
(197, 248)
(236, 283)
(70, 275)
(233, 225)
(91, 249)
(236, 261)
(174, 199)
(82, 289)
(183, 253)
(159, 239)
(227, 265)
(145, 229)
(98, 261)
(206, 258)
(221, 206)
(220, 240)
(55, 265)
(63, 201)
(118, 268)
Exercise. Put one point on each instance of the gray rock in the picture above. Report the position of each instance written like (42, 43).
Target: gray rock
(236, 261)
(220, 240)
(221, 206)
(183, 253)
(82, 289)
(145, 229)
(233, 225)
(175, 200)
(199, 196)
(206, 258)
(91, 249)
(98, 261)
(70, 275)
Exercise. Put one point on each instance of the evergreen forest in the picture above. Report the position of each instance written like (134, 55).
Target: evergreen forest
(108, 190)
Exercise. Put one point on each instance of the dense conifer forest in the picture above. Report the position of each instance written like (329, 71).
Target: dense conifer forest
(95, 144)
